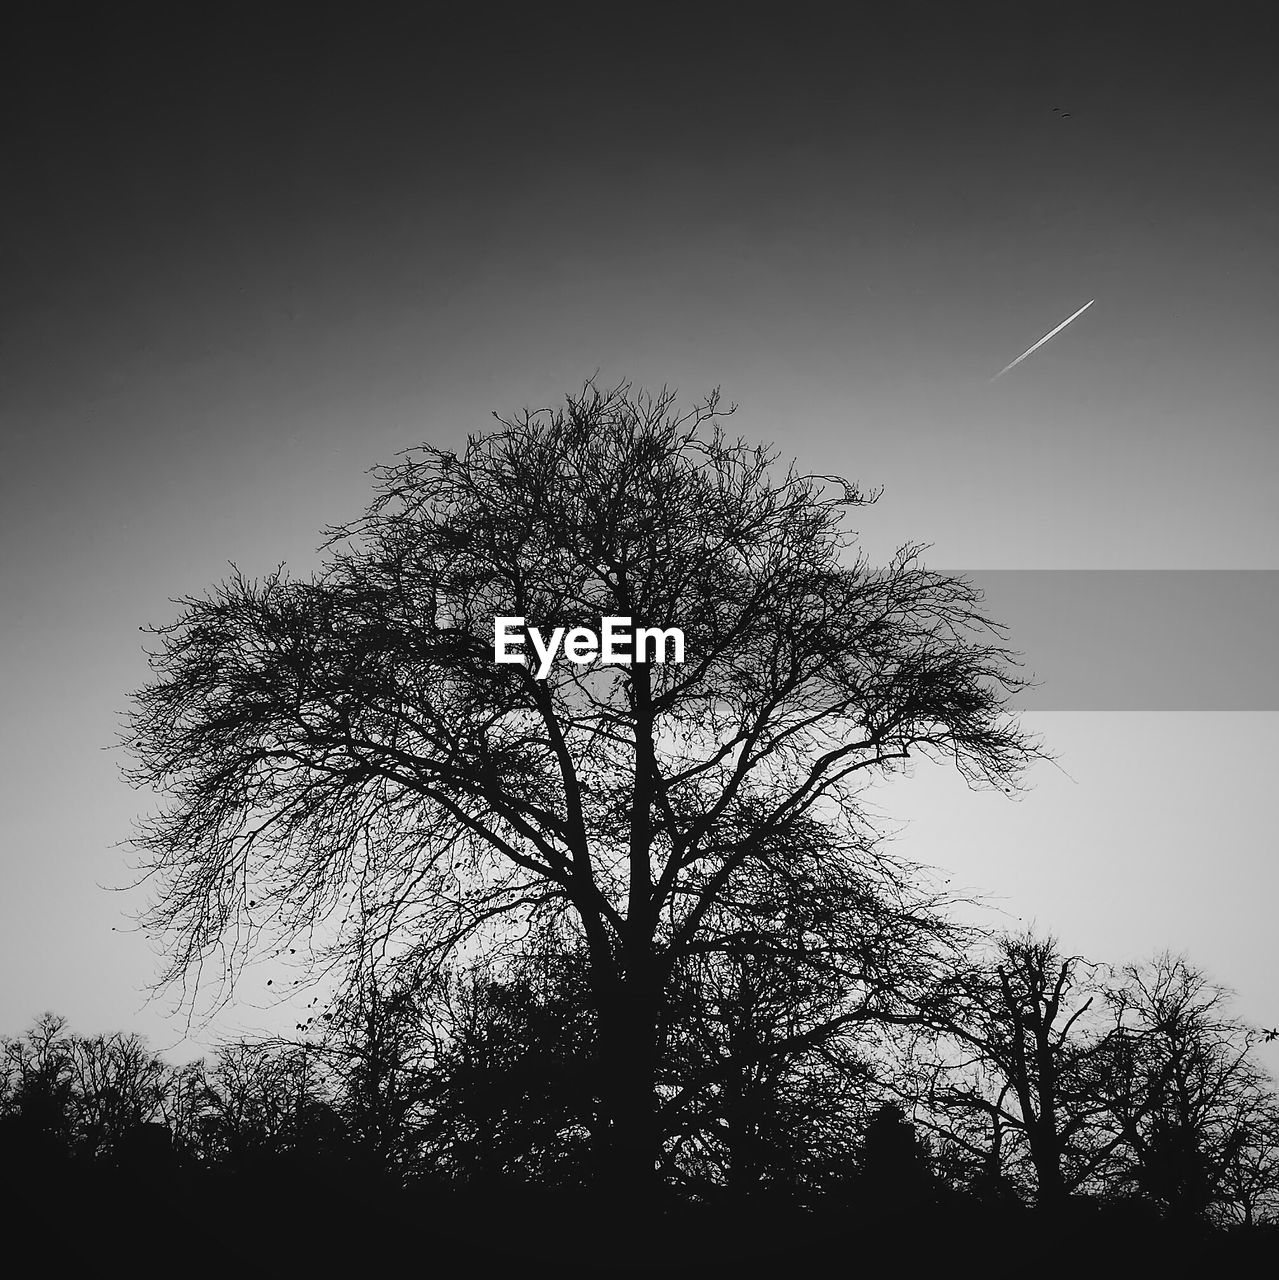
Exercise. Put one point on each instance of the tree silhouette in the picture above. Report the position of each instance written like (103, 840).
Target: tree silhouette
(268, 1104)
(351, 735)
(38, 1095)
(766, 1070)
(1196, 1113)
(1021, 1083)
(895, 1166)
(513, 1093)
(381, 1043)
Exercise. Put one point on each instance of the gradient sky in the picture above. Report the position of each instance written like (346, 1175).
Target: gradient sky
(245, 259)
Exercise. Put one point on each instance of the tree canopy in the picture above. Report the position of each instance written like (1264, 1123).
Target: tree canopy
(344, 758)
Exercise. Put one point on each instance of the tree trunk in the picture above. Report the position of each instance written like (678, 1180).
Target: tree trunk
(628, 1061)
(744, 1156)
(1045, 1151)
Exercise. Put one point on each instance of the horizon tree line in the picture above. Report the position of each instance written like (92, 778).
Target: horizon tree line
(1046, 1079)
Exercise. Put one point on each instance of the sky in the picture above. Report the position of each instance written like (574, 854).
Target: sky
(246, 257)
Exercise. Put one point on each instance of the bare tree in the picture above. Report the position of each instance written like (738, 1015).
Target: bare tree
(760, 1096)
(119, 1085)
(513, 1092)
(1194, 1109)
(770, 1030)
(1015, 1075)
(268, 1099)
(352, 734)
(37, 1092)
(1249, 1190)
(381, 1044)
(88, 1098)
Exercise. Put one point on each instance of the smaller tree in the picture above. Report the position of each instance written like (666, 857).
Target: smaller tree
(37, 1095)
(1012, 1075)
(1194, 1110)
(269, 1099)
(119, 1086)
(381, 1044)
(1250, 1183)
(764, 1080)
(896, 1172)
(512, 1093)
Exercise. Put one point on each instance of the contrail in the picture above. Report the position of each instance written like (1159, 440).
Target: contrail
(1044, 339)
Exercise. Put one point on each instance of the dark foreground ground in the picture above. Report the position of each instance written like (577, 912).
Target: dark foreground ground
(288, 1222)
